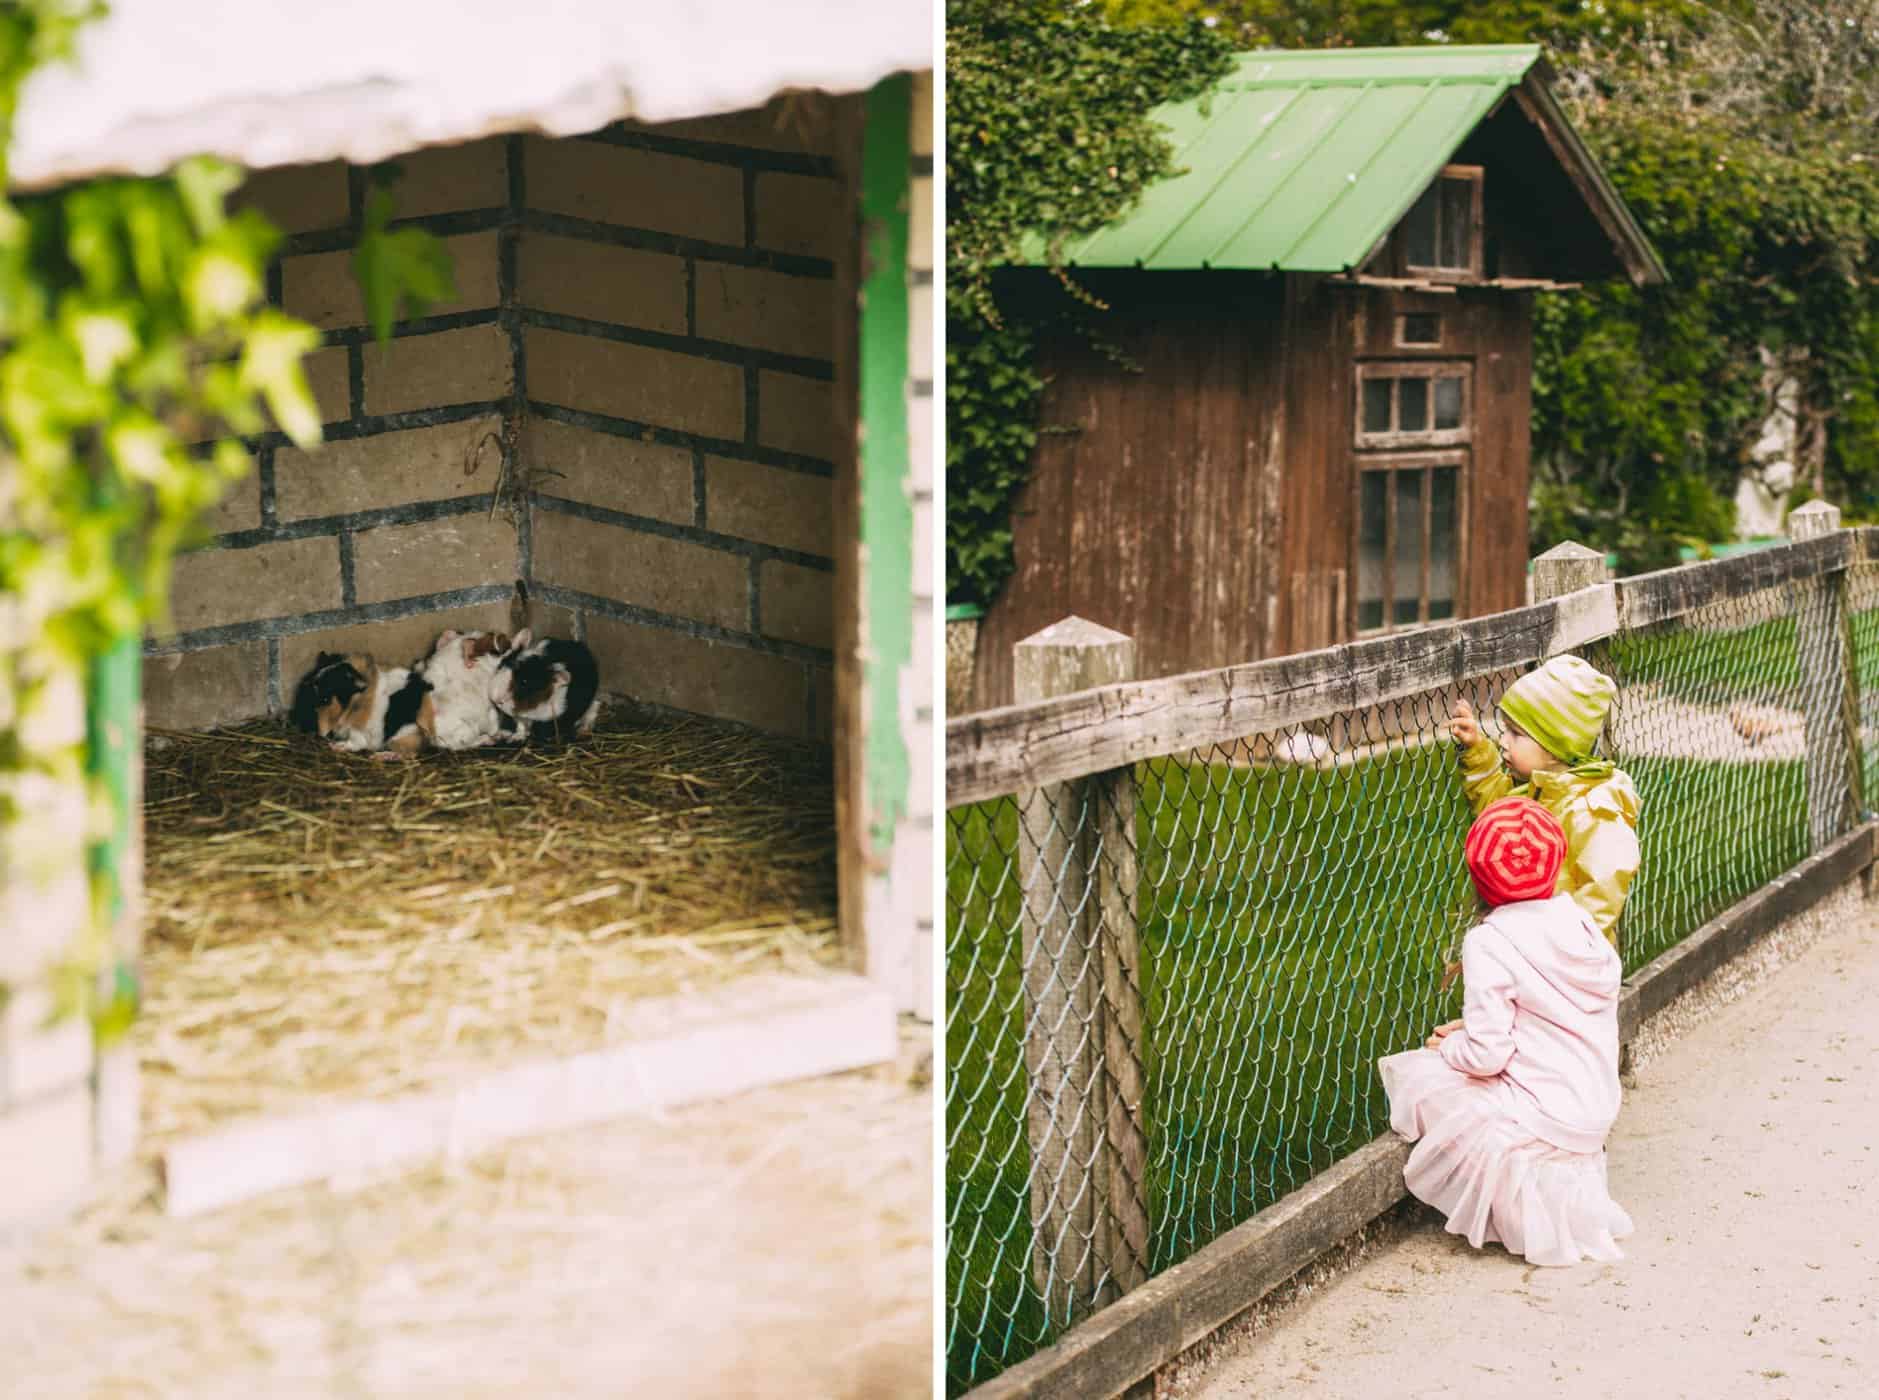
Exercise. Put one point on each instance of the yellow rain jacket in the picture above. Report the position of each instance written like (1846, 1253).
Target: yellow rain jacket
(1598, 807)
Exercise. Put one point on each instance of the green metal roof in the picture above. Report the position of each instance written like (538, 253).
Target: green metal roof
(1302, 160)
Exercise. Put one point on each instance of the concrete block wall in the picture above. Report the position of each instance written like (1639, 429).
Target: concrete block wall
(383, 536)
(677, 312)
(642, 341)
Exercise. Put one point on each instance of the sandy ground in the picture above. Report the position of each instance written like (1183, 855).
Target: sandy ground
(774, 1245)
(1747, 1155)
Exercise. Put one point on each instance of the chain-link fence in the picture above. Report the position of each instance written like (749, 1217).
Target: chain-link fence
(1168, 984)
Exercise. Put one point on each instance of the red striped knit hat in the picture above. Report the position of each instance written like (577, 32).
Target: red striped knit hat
(1514, 851)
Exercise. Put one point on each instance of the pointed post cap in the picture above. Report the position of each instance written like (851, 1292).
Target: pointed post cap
(1815, 518)
(1566, 568)
(1069, 655)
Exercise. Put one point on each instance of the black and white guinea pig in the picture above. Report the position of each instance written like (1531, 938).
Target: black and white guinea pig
(460, 668)
(553, 684)
(355, 705)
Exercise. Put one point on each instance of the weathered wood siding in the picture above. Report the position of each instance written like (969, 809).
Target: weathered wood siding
(1152, 515)
(1205, 503)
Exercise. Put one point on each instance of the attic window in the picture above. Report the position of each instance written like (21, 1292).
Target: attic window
(1442, 231)
(1414, 403)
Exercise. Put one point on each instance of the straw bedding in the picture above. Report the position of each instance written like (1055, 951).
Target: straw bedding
(322, 923)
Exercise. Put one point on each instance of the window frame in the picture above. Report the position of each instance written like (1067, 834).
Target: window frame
(1473, 175)
(1430, 370)
(1401, 339)
(1387, 465)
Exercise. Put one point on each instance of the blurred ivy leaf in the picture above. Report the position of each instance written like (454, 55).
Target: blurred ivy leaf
(204, 183)
(270, 362)
(401, 272)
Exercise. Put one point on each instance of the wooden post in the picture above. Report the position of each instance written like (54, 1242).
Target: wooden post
(1827, 695)
(1082, 999)
(1566, 568)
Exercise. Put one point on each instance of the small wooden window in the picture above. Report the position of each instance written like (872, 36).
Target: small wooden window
(1419, 328)
(1411, 403)
(1442, 231)
(1409, 540)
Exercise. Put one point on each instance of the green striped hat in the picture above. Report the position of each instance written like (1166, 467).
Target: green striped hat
(1561, 705)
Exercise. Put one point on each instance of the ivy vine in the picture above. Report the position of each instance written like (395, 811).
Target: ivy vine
(139, 359)
(1047, 134)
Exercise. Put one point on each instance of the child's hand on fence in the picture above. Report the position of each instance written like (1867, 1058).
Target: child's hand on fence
(1461, 725)
(1434, 1041)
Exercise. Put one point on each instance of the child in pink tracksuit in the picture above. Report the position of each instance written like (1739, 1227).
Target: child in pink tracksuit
(1509, 1112)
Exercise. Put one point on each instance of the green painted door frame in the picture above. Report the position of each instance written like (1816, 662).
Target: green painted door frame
(886, 508)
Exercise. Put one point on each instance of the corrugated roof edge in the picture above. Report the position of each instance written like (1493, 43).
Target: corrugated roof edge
(1521, 67)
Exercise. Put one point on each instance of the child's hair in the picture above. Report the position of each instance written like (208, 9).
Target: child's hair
(1514, 851)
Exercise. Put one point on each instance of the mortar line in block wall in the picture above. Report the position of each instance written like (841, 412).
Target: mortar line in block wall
(718, 351)
(748, 158)
(412, 513)
(574, 599)
(363, 336)
(516, 406)
(920, 277)
(348, 584)
(923, 165)
(750, 207)
(235, 633)
(673, 437)
(654, 241)
(753, 407)
(274, 704)
(345, 238)
(691, 296)
(371, 425)
(355, 381)
(754, 550)
(264, 486)
(753, 597)
(809, 700)
(700, 509)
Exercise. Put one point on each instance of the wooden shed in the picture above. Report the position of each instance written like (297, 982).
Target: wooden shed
(1322, 432)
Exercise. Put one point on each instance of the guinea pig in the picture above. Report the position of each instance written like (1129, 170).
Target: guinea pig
(459, 669)
(352, 703)
(552, 684)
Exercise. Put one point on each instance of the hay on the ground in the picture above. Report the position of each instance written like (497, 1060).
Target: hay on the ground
(323, 923)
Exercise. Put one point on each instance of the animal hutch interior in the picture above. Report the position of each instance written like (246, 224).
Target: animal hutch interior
(1317, 429)
(678, 400)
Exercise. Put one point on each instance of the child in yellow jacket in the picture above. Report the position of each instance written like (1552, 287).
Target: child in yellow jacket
(1551, 719)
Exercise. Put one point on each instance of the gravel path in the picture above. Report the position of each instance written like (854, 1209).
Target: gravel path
(774, 1245)
(1747, 1154)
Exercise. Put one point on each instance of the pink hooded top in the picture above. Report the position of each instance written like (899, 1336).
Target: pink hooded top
(1542, 1012)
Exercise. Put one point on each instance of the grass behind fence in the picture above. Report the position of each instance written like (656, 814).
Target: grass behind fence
(1295, 921)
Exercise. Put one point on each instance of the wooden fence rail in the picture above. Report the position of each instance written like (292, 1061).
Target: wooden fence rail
(1018, 747)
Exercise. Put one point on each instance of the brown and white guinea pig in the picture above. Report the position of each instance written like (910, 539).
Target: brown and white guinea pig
(553, 684)
(352, 703)
(459, 669)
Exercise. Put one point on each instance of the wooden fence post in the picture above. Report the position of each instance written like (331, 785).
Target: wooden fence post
(1082, 1000)
(1827, 693)
(1566, 568)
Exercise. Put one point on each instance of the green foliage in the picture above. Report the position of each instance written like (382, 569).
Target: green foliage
(1755, 173)
(1337, 23)
(400, 271)
(138, 354)
(1047, 133)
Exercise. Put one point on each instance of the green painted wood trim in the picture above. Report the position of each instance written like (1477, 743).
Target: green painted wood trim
(886, 523)
(110, 733)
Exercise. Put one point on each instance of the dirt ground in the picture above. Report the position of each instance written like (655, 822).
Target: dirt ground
(1746, 1155)
(774, 1245)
